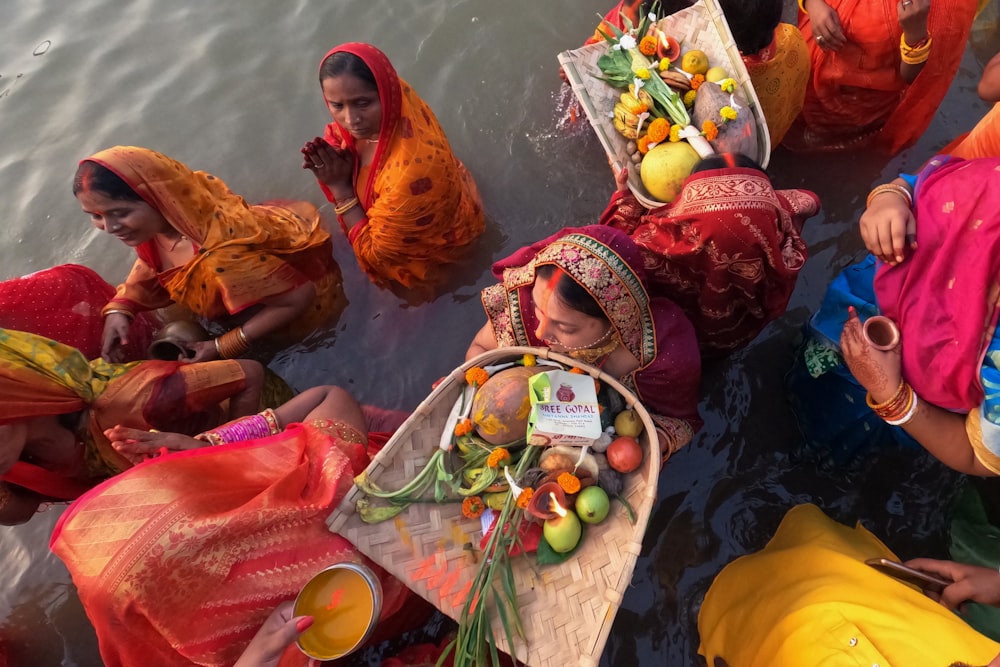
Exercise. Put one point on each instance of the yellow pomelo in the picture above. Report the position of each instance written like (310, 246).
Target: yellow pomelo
(694, 62)
(716, 74)
(664, 169)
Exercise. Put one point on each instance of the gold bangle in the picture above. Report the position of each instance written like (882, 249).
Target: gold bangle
(232, 344)
(210, 437)
(890, 187)
(896, 395)
(802, 6)
(119, 311)
(341, 209)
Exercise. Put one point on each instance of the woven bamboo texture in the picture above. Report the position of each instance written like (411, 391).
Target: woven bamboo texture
(702, 26)
(567, 610)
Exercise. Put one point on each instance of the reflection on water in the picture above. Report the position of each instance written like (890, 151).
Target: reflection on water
(230, 87)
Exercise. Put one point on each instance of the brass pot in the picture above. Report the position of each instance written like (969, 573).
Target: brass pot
(173, 341)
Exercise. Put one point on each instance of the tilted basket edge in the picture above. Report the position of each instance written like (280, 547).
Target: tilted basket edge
(702, 24)
(567, 610)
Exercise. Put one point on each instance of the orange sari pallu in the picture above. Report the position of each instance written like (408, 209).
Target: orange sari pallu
(856, 97)
(421, 204)
(243, 253)
(180, 559)
(780, 75)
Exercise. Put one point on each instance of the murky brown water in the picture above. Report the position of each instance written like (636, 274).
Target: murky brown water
(229, 86)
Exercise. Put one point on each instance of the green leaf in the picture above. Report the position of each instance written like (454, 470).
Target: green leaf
(546, 555)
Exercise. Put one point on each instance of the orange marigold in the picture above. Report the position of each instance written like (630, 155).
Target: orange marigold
(578, 371)
(696, 81)
(568, 482)
(473, 508)
(643, 144)
(498, 457)
(647, 45)
(710, 130)
(658, 130)
(525, 497)
(476, 376)
(463, 427)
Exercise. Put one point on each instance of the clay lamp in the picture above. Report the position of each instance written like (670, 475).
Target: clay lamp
(881, 332)
(544, 501)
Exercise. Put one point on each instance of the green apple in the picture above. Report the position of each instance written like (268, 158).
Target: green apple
(563, 532)
(593, 505)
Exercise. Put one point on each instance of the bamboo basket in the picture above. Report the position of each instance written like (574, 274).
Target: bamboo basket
(567, 610)
(702, 26)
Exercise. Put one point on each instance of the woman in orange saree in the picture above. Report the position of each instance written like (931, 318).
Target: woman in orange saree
(408, 206)
(266, 270)
(57, 406)
(862, 93)
(177, 564)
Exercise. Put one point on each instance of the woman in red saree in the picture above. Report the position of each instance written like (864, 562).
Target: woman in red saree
(862, 94)
(266, 270)
(408, 206)
(179, 560)
(727, 250)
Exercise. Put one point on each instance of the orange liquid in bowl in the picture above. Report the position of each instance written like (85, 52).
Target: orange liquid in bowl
(343, 603)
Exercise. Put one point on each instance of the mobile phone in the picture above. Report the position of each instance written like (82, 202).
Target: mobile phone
(921, 579)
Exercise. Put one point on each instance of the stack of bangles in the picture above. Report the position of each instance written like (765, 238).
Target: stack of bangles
(895, 188)
(916, 54)
(232, 344)
(899, 409)
(260, 425)
(341, 209)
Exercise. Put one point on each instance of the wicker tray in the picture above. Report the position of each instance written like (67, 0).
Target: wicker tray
(703, 26)
(568, 609)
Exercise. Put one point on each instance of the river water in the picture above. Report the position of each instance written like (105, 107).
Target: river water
(230, 87)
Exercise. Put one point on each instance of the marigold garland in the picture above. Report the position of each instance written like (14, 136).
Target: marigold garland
(647, 45)
(664, 64)
(463, 427)
(473, 508)
(689, 97)
(728, 113)
(642, 73)
(675, 133)
(498, 457)
(728, 85)
(658, 130)
(476, 376)
(696, 81)
(710, 130)
(525, 497)
(568, 482)
(643, 144)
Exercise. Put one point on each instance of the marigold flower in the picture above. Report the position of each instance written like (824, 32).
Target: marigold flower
(710, 130)
(578, 371)
(647, 45)
(728, 85)
(664, 64)
(643, 144)
(675, 133)
(476, 376)
(696, 81)
(498, 457)
(529, 360)
(728, 113)
(689, 97)
(568, 482)
(658, 130)
(473, 508)
(642, 73)
(463, 427)
(525, 497)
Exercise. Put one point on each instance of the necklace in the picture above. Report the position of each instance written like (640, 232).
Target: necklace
(591, 355)
(173, 246)
(588, 346)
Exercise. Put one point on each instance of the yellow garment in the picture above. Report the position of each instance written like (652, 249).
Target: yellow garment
(780, 75)
(809, 599)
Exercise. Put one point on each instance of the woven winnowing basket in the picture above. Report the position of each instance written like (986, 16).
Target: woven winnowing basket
(567, 610)
(702, 26)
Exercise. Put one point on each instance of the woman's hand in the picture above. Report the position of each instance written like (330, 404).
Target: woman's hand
(912, 16)
(204, 350)
(279, 631)
(971, 582)
(826, 26)
(137, 445)
(621, 178)
(331, 166)
(888, 226)
(878, 371)
(115, 335)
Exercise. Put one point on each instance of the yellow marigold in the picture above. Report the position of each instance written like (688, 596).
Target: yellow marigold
(463, 427)
(728, 85)
(710, 130)
(529, 360)
(647, 45)
(473, 508)
(664, 64)
(568, 482)
(498, 457)
(476, 376)
(696, 81)
(642, 73)
(728, 113)
(689, 97)
(643, 144)
(525, 497)
(658, 130)
(675, 133)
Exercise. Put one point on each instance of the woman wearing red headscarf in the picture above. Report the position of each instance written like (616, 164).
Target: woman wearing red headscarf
(405, 202)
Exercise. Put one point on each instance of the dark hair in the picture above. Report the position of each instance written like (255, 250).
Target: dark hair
(724, 161)
(94, 177)
(342, 62)
(752, 22)
(571, 292)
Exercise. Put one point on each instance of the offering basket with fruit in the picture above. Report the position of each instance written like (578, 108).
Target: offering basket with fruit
(550, 608)
(627, 83)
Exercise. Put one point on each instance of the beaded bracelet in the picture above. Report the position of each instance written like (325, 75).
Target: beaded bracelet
(272, 421)
(900, 190)
(341, 209)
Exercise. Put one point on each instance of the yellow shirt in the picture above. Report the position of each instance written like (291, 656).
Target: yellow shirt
(808, 599)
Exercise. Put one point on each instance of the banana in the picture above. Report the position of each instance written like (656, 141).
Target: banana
(676, 80)
(625, 121)
(643, 96)
(633, 103)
